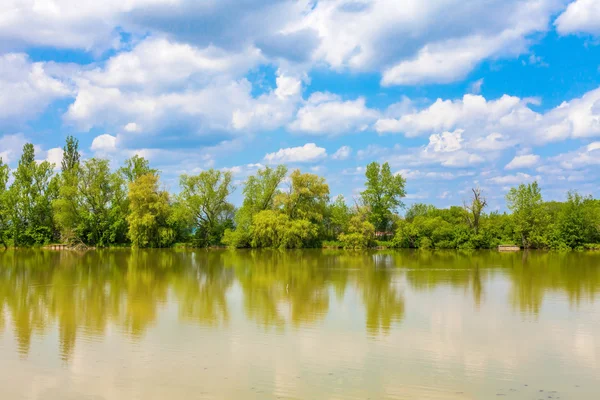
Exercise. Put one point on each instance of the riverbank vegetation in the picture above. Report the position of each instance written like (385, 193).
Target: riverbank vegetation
(87, 203)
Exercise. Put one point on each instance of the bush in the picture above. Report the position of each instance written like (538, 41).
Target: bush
(332, 244)
(425, 243)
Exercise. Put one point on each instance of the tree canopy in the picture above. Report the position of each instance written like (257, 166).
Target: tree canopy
(85, 202)
(382, 195)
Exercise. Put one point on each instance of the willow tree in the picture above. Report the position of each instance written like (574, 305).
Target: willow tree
(204, 197)
(4, 214)
(148, 213)
(259, 191)
(306, 198)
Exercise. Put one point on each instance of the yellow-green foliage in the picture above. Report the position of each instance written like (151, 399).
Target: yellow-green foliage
(275, 229)
(148, 213)
(361, 233)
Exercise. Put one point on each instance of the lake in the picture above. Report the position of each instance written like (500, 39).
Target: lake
(310, 324)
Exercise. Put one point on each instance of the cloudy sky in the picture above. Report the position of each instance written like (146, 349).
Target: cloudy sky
(452, 93)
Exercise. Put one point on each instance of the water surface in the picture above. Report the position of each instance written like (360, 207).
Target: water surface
(312, 324)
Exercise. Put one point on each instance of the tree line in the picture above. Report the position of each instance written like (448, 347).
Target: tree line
(87, 203)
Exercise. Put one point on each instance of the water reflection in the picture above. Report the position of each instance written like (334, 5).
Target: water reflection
(88, 293)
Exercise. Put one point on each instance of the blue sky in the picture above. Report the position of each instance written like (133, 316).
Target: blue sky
(452, 93)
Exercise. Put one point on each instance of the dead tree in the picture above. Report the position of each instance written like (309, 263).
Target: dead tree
(478, 203)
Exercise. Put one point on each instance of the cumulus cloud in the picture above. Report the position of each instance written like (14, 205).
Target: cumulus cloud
(326, 114)
(581, 16)
(446, 142)
(342, 153)
(513, 179)
(166, 86)
(54, 156)
(424, 40)
(93, 25)
(446, 61)
(445, 150)
(523, 161)
(310, 152)
(26, 88)
(583, 157)
(104, 143)
(131, 127)
(158, 63)
(501, 122)
(11, 147)
(270, 110)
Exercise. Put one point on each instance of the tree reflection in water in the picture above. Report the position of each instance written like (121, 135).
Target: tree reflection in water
(86, 293)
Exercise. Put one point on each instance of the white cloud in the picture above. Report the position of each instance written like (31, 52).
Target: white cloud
(104, 144)
(54, 156)
(584, 157)
(513, 179)
(162, 85)
(342, 153)
(132, 127)
(307, 153)
(60, 23)
(11, 147)
(493, 142)
(26, 88)
(270, 110)
(447, 61)
(523, 161)
(476, 86)
(325, 114)
(446, 142)
(470, 111)
(434, 175)
(424, 40)
(581, 16)
(287, 86)
(441, 151)
(95, 25)
(496, 124)
(158, 63)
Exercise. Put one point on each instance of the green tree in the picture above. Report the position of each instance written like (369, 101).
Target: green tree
(96, 193)
(529, 216)
(4, 210)
(418, 209)
(70, 160)
(205, 198)
(573, 226)
(66, 206)
(259, 191)
(361, 233)
(136, 167)
(307, 197)
(274, 229)
(30, 200)
(337, 217)
(383, 194)
(148, 213)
